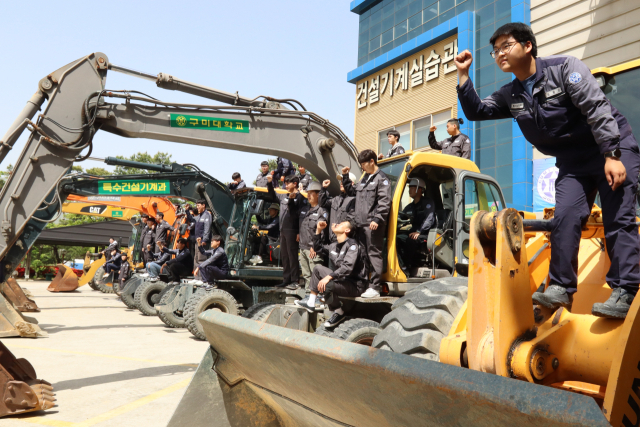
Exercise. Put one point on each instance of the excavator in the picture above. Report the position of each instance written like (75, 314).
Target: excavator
(123, 208)
(470, 349)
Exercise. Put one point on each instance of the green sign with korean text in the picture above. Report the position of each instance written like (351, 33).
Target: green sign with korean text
(209, 123)
(116, 214)
(134, 187)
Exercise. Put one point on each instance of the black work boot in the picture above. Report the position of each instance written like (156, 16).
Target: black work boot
(616, 307)
(555, 296)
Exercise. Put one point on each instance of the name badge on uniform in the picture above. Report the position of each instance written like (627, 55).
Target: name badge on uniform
(285, 201)
(553, 92)
(334, 252)
(518, 106)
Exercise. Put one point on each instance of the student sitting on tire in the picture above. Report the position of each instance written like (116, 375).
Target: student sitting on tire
(181, 265)
(113, 264)
(124, 271)
(347, 276)
(216, 267)
(154, 267)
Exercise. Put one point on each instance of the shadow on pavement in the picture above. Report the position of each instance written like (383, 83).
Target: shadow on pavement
(52, 329)
(122, 376)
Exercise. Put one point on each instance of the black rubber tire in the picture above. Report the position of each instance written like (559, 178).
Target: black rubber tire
(172, 320)
(259, 312)
(106, 286)
(357, 331)
(205, 300)
(92, 285)
(321, 330)
(146, 297)
(419, 320)
(128, 300)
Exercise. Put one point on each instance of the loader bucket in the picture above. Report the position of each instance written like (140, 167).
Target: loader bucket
(22, 391)
(65, 280)
(16, 296)
(257, 374)
(89, 274)
(14, 324)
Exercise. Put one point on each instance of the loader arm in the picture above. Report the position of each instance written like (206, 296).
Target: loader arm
(129, 206)
(99, 210)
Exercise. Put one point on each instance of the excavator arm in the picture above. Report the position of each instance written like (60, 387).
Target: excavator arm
(122, 207)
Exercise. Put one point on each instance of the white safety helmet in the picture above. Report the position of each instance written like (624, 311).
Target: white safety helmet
(417, 182)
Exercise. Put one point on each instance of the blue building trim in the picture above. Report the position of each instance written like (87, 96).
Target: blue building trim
(522, 151)
(359, 6)
(434, 35)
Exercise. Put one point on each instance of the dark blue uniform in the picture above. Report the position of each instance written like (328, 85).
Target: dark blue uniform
(569, 117)
(284, 169)
(216, 266)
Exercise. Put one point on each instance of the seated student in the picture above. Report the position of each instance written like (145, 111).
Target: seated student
(272, 226)
(181, 265)
(423, 218)
(237, 182)
(154, 267)
(113, 264)
(216, 266)
(124, 272)
(347, 275)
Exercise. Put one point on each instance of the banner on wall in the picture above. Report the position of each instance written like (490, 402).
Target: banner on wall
(545, 173)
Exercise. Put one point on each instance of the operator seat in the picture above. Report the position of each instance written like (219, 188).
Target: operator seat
(440, 240)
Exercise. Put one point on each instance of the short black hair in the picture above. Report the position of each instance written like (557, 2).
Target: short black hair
(145, 216)
(152, 219)
(160, 214)
(235, 175)
(394, 133)
(123, 254)
(265, 163)
(201, 202)
(519, 31)
(182, 240)
(457, 122)
(352, 227)
(367, 155)
(216, 238)
(292, 178)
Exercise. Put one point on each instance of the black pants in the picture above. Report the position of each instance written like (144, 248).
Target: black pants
(289, 254)
(576, 188)
(334, 288)
(264, 241)
(109, 267)
(373, 242)
(409, 249)
(176, 271)
(209, 273)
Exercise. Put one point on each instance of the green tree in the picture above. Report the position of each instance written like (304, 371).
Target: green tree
(4, 175)
(158, 158)
(99, 172)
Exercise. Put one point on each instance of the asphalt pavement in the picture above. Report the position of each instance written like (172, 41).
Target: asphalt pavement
(109, 365)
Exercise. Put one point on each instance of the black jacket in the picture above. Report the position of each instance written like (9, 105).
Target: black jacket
(161, 257)
(423, 216)
(272, 225)
(373, 197)
(341, 208)
(458, 145)
(217, 258)
(309, 218)
(261, 180)
(289, 209)
(200, 225)
(148, 237)
(124, 272)
(347, 259)
(162, 231)
(183, 257)
(237, 185)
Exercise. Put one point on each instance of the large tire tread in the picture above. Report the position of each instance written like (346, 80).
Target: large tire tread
(359, 331)
(172, 320)
(141, 297)
(422, 317)
(259, 312)
(198, 303)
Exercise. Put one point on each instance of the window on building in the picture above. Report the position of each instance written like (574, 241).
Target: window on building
(405, 138)
(440, 122)
(421, 129)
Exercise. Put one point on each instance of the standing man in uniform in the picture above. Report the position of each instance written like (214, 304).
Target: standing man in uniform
(458, 144)
(162, 229)
(304, 177)
(423, 218)
(373, 202)
(290, 205)
(346, 275)
(237, 182)
(310, 214)
(143, 233)
(149, 239)
(201, 229)
(563, 113)
(393, 136)
(261, 180)
(340, 208)
(284, 169)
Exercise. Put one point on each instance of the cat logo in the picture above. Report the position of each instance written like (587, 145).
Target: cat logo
(94, 210)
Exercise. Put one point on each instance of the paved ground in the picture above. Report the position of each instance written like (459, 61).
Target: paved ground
(109, 365)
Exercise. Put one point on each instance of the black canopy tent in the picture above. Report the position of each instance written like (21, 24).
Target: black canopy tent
(94, 234)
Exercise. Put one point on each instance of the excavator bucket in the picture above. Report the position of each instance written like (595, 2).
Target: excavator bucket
(16, 296)
(14, 324)
(258, 374)
(91, 272)
(22, 391)
(65, 281)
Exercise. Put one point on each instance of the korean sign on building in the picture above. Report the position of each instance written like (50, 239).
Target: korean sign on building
(408, 74)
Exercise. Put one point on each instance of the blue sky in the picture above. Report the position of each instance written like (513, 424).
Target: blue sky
(299, 49)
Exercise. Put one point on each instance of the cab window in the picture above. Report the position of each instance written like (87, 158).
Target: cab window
(480, 196)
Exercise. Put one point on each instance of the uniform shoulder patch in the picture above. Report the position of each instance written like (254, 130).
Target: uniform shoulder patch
(428, 206)
(575, 78)
(352, 248)
(385, 182)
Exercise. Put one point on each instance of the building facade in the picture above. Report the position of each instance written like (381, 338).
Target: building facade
(406, 80)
